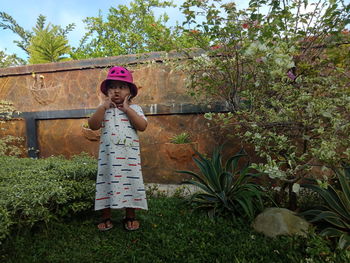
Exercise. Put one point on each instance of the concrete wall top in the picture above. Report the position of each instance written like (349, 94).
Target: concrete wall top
(98, 62)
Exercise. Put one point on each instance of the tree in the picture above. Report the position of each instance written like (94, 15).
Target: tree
(285, 85)
(130, 30)
(10, 60)
(48, 44)
(44, 43)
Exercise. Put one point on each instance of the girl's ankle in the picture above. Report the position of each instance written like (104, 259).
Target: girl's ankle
(106, 213)
(130, 213)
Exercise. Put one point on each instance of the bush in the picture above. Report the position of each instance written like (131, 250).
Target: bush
(40, 190)
(225, 189)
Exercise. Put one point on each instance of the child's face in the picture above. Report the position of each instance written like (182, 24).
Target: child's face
(118, 91)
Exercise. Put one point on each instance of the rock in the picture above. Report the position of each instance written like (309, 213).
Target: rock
(280, 221)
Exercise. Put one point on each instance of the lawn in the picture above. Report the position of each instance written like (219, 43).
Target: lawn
(170, 233)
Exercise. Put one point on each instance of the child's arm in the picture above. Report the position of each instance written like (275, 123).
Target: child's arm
(136, 120)
(95, 121)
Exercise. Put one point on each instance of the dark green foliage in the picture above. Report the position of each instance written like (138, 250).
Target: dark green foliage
(169, 233)
(225, 189)
(44, 189)
(335, 213)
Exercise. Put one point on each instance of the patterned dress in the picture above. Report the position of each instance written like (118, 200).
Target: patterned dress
(119, 181)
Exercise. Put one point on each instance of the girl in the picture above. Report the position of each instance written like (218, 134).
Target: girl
(119, 182)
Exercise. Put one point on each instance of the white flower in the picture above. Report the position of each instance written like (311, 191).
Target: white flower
(296, 188)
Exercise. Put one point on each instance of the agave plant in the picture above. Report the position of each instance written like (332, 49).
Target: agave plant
(225, 189)
(336, 209)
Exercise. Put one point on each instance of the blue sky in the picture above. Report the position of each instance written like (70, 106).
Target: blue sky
(64, 12)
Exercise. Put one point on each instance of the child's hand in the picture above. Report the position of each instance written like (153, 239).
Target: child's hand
(108, 103)
(125, 106)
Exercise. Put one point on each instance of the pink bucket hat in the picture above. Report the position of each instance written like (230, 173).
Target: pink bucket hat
(121, 74)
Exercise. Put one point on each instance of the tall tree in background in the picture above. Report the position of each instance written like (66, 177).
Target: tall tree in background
(44, 43)
(130, 30)
(49, 43)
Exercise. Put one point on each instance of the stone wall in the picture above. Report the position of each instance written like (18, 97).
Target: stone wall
(55, 100)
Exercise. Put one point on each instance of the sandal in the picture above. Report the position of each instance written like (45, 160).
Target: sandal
(126, 220)
(107, 222)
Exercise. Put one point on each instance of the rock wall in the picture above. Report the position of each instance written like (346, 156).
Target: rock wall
(50, 95)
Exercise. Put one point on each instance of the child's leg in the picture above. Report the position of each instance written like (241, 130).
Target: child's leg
(131, 224)
(106, 213)
(105, 224)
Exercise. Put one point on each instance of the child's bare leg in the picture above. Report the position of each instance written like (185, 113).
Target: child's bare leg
(106, 214)
(130, 213)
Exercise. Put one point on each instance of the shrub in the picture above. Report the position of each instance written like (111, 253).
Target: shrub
(5, 223)
(225, 189)
(36, 190)
(282, 73)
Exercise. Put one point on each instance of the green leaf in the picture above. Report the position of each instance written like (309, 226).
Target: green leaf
(331, 197)
(344, 241)
(202, 186)
(345, 186)
(331, 218)
(331, 232)
(224, 193)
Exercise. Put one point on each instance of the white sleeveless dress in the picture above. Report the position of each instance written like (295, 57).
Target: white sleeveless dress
(119, 181)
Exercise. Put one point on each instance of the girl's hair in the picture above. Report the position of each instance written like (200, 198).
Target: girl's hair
(109, 83)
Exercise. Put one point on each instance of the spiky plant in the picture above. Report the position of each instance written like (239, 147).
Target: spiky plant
(225, 189)
(181, 138)
(335, 212)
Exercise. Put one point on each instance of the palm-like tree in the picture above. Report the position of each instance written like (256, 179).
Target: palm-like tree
(48, 45)
(44, 43)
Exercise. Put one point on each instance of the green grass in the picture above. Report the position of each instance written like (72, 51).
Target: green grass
(169, 233)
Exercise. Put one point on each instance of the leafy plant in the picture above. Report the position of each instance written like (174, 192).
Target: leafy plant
(225, 189)
(42, 190)
(181, 138)
(335, 213)
(283, 73)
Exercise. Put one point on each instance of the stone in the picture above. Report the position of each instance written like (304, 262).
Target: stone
(280, 221)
